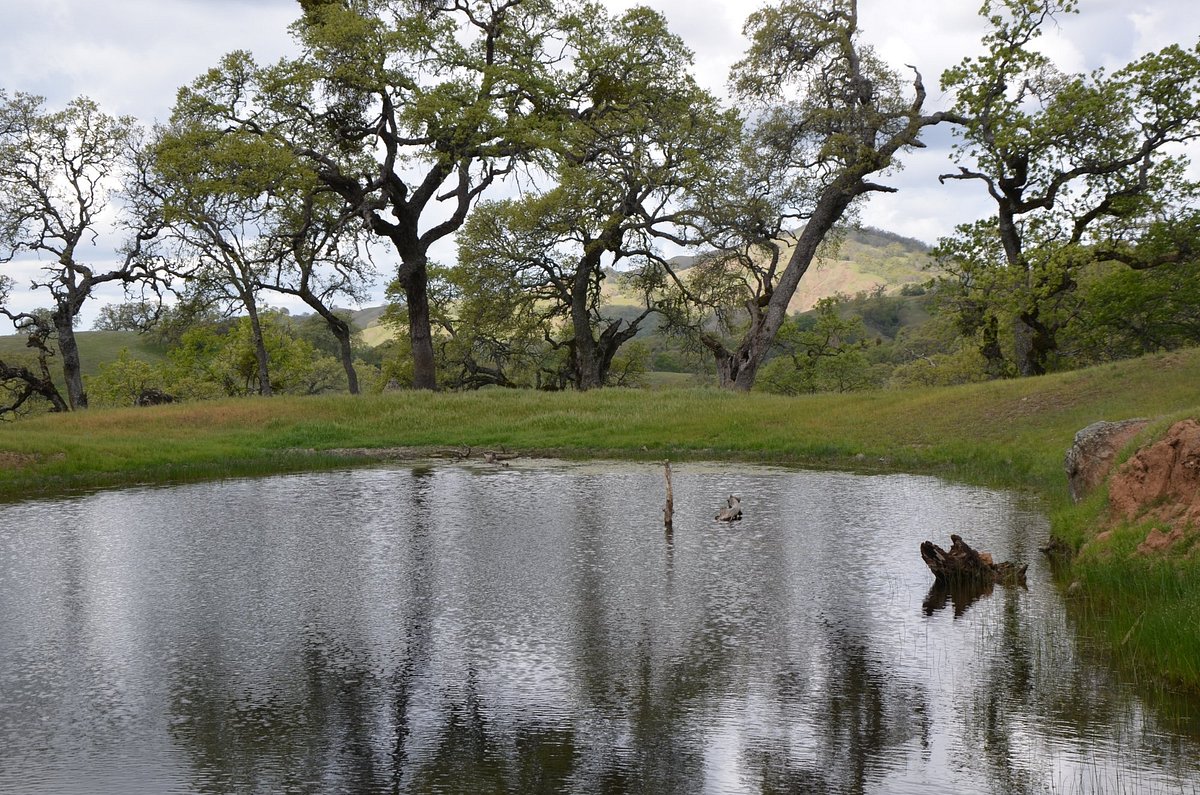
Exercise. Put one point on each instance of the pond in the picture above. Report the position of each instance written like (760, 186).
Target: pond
(531, 628)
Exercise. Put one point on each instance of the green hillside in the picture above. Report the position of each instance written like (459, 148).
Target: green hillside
(95, 349)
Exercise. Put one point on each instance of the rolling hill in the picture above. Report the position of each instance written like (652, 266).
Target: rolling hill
(866, 260)
(95, 348)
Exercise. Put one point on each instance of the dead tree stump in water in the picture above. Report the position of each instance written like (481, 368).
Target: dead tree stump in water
(732, 512)
(962, 564)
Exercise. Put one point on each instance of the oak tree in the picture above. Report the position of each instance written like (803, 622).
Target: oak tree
(1081, 168)
(829, 116)
(20, 381)
(59, 172)
(408, 109)
(638, 142)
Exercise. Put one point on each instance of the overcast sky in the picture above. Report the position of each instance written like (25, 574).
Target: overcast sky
(132, 55)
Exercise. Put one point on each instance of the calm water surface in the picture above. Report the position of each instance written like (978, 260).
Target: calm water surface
(532, 629)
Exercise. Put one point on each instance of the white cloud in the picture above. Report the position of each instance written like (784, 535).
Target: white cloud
(132, 56)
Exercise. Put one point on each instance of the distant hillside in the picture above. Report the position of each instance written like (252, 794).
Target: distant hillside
(95, 348)
(362, 318)
(367, 322)
(865, 260)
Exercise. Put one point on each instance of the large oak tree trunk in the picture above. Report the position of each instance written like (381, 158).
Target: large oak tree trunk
(69, 350)
(591, 359)
(738, 369)
(585, 354)
(346, 354)
(416, 293)
(1034, 342)
(260, 349)
(586, 360)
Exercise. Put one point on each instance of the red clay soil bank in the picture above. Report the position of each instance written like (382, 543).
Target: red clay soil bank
(1161, 483)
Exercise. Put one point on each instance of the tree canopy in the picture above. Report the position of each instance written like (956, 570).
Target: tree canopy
(831, 116)
(571, 154)
(1081, 170)
(408, 110)
(59, 171)
(641, 148)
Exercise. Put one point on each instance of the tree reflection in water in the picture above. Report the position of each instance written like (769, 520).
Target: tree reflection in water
(416, 634)
(961, 594)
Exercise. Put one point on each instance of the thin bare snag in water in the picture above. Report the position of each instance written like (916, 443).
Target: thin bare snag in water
(669, 510)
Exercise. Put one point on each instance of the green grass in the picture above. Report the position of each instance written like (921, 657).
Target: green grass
(1008, 433)
(661, 379)
(1146, 610)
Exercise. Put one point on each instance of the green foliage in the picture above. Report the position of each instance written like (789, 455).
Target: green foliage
(121, 382)
(882, 314)
(823, 351)
(314, 330)
(198, 371)
(1080, 169)
(209, 359)
(870, 341)
(631, 366)
(1125, 313)
(210, 362)
(965, 365)
(174, 320)
(129, 316)
(396, 369)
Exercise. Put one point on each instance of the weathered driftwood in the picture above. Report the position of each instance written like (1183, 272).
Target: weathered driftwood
(962, 564)
(732, 512)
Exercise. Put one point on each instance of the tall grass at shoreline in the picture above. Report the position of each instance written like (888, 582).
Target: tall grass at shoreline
(1009, 434)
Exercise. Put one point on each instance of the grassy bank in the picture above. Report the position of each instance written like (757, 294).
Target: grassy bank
(1010, 433)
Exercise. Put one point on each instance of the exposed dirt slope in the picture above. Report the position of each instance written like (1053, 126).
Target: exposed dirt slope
(1161, 483)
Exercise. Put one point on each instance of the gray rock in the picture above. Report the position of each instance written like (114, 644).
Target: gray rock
(1095, 448)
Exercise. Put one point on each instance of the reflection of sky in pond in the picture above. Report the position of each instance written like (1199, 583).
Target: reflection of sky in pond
(531, 628)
